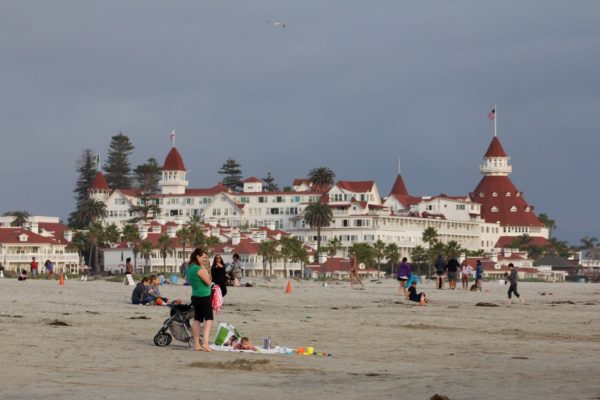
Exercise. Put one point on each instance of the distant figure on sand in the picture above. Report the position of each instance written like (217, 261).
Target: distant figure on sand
(353, 274)
(236, 271)
(141, 293)
(22, 275)
(402, 274)
(245, 344)
(465, 274)
(478, 274)
(49, 269)
(412, 295)
(440, 266)
(452, 272)
(128, 266)
(34, 267)
(217, 272)
(512, 279)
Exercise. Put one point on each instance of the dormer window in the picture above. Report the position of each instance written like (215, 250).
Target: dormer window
(513, 209)
(527, 209)
(495, 194)
(23, 237)
(495, 209)
(481, 194)
(507, 194)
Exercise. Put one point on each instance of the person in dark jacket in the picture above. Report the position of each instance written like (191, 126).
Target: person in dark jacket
(440, 266)
(141, 294)
(512, 279)
(478, 274)
(452, 272)
(219, 276)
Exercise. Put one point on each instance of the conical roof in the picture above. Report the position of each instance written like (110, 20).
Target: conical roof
(399, 188)
(495, 149)
(173, 162)
(99, 182)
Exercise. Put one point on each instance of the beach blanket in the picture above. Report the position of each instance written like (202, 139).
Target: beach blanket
(259, 350)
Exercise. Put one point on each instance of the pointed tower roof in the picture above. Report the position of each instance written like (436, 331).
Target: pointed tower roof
(495, 149)
(399, 188)
(99, 182)
(173, 162)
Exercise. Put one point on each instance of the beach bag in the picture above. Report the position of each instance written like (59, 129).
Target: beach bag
(225, 332)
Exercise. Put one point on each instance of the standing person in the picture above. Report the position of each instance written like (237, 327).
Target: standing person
(402, 274)
(512, 279)
(353, 274)
(183, 268)
(237, 271)
(465, 274)
(440, 266)
(128, 266)
(198, 275)
(217, 271)
(34, 267)
(452, 272)
(50, 269)
(478, 274)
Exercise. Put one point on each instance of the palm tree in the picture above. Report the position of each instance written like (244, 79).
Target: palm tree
(392, 253)
(548, 223)
(146, 248)
(430, 236)
(321, 178)
(379, 250)
(131, 235)
(197, 237)
(112, 234)
(363, 252)
(210, 243)
(419, 256)
(453, 249)
(333, 246)
(79, 243)
(318, 215)
(91, 211)
(185, 237)
(289, 246)
(20, 217)
(95, 237)
(164, 245)
(268, 251)
(588, 244)
(299, 253)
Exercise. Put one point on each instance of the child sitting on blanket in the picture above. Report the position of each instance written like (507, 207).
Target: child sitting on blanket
(245, 344)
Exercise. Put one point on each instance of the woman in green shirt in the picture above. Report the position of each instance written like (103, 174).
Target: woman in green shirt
(198, 275)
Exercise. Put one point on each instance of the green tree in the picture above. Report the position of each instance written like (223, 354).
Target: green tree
(363, 252)
(232, 172)
(184, 237)
(147, 209)
(112, 235)
(268, 251)
(299, 253)
(321, 178)
(333, 246)
(290, 250)
(318, 215)
(86, 167)
(210, 243)
(548, 223)
(379, 251)
(420, 257)
(197, 237)
(95, 235)
(392, 253)
(430, 236)
(453, 249)
(21, 217)
(91, 211)
(269, 184)
(117, 166)
(146, 248)
(165, 247)
(79, 243)
(131, 235)
(147, 176)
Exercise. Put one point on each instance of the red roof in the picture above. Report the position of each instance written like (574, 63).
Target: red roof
(56, 229)
(218, 188)
(246, 246)
(496, 205)
(301, 181)
(11, 236)
(399, 188)
(506, 241)
(333, 264)
(495, 149)
(252, 179)
(99, 182)
(356, 186)
(173, 162)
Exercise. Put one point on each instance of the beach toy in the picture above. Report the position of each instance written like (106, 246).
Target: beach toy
(288, 289)
(310, 351)
(159, 301)
(173, 278)
(300, 350)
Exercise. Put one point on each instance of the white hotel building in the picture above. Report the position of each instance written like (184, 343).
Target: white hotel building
(489, 218)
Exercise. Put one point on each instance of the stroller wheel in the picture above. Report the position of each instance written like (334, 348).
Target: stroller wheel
(162, 339)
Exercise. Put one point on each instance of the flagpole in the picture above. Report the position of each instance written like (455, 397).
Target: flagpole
(495, 120)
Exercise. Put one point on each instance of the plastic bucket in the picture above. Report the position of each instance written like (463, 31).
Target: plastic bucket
(173, 278)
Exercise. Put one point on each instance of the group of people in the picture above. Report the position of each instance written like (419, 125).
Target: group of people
(147, 292)
(452, 269)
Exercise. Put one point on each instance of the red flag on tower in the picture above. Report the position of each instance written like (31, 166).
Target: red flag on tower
(492, 114)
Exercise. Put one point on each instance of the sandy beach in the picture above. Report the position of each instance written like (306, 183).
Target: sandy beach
(382, 346)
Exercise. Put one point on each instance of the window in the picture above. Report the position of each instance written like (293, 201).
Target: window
(244, 199)
(262, 199)
(494, 209)
(345, 222)
(513, 209)
(460, 206)
(507, 194)
(495, 194)
(279, 199)
(296, 199)
(481, 194)
(274, 211)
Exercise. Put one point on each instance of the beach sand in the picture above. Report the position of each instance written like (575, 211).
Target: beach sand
(382, 346)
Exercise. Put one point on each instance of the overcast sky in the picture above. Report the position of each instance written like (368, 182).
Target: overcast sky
(351, 85)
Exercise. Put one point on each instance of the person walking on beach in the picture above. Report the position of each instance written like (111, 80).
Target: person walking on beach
(478, 274)
(198, 275)
(34, 267)
(465, 274)
(440, 266)
(353, 274)
(237, 272)
(512, 279)
(49, 269)
(452, 272)
(402, 274)
(217, 271)
(128, 266)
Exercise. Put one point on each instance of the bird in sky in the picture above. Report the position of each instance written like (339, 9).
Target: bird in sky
(277, 23)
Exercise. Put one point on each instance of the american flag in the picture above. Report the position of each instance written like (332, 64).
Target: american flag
(172, 135)
(492, 114)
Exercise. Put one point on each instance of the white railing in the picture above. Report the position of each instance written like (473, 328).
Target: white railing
(40, 258)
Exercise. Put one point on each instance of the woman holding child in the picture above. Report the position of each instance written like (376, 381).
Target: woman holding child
(198, 275)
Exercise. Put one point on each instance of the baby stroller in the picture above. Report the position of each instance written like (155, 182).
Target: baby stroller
(178, 324)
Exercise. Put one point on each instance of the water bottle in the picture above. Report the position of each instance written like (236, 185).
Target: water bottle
(266, 343)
